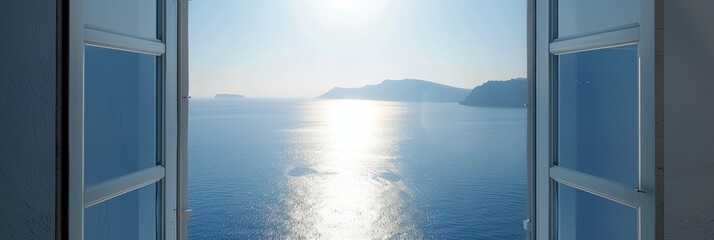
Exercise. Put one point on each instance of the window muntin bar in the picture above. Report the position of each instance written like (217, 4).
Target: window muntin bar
(597, 113)
(602, 187)
(625, 35)
(109, 189)
(583, 16)
(121, 118)
(116, 41)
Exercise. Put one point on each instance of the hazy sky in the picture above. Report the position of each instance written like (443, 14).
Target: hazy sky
(302, 48)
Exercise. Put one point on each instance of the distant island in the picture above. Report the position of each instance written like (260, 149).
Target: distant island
(511, 93)
(224, 95)
(406, 90)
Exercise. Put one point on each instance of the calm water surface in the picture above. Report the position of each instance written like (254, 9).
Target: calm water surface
(355, 169)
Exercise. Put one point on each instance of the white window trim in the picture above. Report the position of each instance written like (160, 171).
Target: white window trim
(546, 174)
(171, 126)
(182, 167)
(79, 197)
(76, 121)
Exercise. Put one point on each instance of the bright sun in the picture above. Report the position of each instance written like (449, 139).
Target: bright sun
(347, 15)
(345, 4)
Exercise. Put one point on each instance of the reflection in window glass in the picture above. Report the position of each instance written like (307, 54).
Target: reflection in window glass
(584, 216)
(598, 113)
(130, 17)
(583, 16)
(120, 113)
(133, 215)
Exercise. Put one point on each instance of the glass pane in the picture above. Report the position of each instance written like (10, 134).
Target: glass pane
(130, 17)
(584, 216)
(597, 113)
(133, 215)
(582, 16)
(120, 118)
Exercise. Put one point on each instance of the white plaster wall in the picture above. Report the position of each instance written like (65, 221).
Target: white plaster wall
(27, 119)
(689, 119)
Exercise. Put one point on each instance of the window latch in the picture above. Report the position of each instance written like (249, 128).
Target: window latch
(187, 213)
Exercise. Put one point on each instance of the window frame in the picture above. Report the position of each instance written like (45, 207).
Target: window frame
(166, 48)
(545, 175)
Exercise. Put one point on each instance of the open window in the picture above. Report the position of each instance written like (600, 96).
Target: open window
(594, 119)
(124, 119)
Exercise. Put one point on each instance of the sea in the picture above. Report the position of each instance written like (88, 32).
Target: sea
(355, 169)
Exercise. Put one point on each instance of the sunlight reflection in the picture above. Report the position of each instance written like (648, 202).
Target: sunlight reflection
(353, 190)
(353, 129)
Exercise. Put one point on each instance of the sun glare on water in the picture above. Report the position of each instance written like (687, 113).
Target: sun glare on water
(353, 128)
(347, 196)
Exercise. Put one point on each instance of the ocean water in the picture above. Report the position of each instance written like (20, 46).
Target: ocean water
(355, 169)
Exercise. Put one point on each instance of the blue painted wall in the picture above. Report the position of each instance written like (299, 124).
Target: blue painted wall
(27, 119)
(688, 119)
